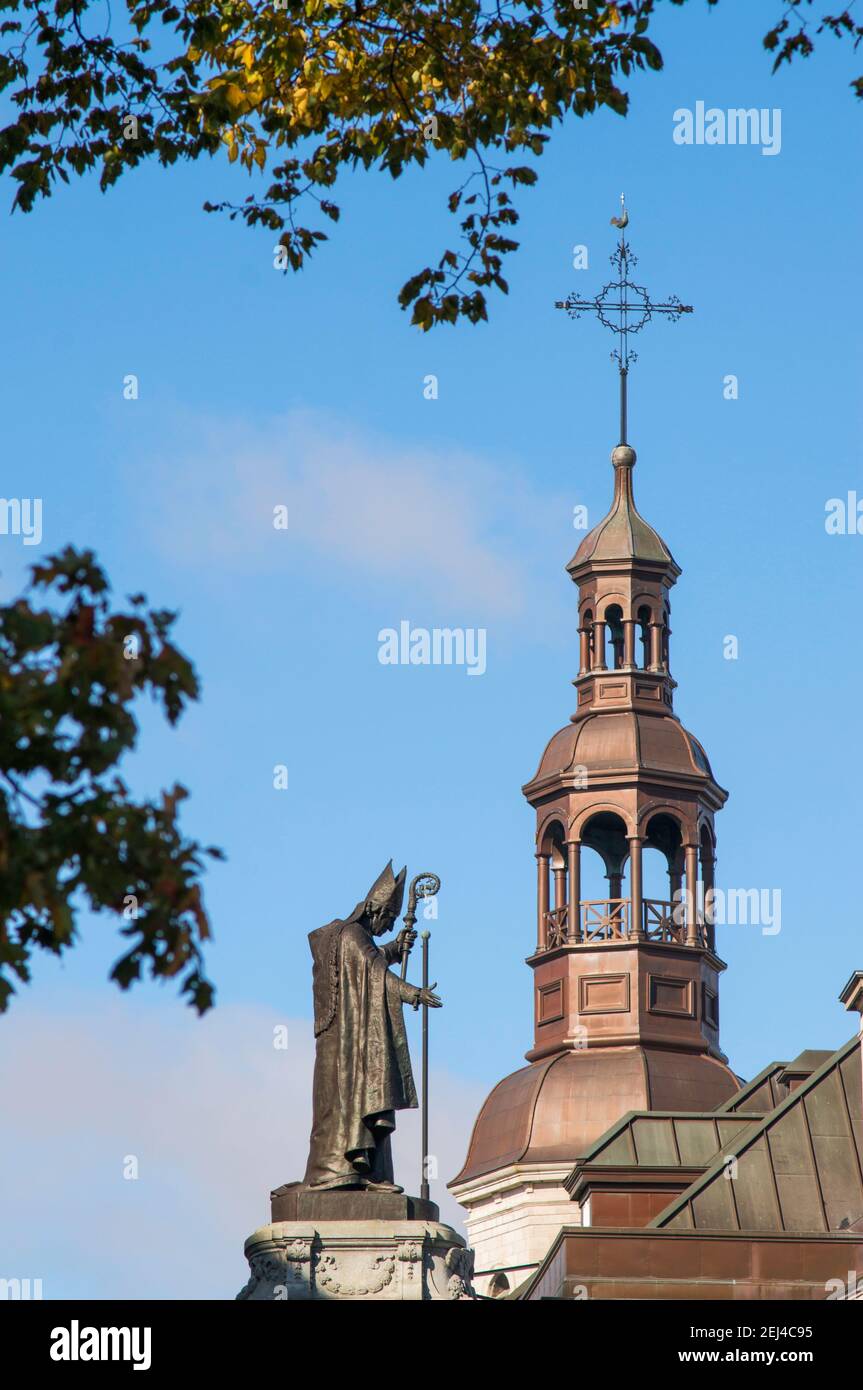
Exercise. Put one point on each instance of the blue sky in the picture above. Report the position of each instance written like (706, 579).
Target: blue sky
(257, 389)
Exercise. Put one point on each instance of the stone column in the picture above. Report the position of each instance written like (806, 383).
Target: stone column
(691, 895)
(583, 651)
(573, 914)
(629, 641)
(656, 646)
(635, 891)
(599, 646)
(675, 883)
(559, 886)
(542, 901)
(615, 889)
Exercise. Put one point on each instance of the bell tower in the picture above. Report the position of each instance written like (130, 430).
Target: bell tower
(624, 777)
(625, 986)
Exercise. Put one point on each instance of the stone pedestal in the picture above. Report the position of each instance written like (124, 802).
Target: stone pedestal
(341, 1245)
(294, 1202)
(391, 1261)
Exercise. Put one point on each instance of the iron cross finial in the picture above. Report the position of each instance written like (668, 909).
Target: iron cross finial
(631, 304)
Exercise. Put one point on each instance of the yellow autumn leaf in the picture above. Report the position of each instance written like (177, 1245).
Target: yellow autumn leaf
(234, 95)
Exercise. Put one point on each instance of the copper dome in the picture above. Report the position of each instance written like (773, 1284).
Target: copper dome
(553, 1110)
(623, 534)
(624, 741)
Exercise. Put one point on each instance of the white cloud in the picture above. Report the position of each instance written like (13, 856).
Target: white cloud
(215, 1117)
(448, 525)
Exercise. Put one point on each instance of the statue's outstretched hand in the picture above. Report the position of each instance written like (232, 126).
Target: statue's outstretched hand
(428, 996)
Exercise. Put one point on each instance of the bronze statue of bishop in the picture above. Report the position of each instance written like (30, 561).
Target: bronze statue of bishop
(362, 1064)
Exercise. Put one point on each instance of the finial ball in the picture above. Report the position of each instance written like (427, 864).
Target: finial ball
(623, 456)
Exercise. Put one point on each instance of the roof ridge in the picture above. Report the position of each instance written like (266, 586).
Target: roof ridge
(756, 1081)
(753, 1133)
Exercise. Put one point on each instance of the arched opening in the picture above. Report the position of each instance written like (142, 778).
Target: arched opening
(552, 895)
(707, 856)
(664, 916)
(654, 873)
(610, 885)
(614, 620)
(594, 874)
(499, 1286)
(604, 915)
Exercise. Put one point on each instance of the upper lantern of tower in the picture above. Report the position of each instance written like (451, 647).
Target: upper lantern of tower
(623, 535)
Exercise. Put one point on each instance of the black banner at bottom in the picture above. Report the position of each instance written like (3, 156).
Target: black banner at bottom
(59, 1339)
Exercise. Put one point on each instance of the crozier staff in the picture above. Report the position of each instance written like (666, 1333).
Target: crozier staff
(423, 886)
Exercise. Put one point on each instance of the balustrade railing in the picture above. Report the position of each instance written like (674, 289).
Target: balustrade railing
(664, 921)
(555, 927)
(610, 919)
(605, 919)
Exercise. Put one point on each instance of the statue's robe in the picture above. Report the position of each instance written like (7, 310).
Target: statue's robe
(362, 1065)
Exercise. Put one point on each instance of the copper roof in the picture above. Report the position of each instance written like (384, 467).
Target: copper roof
(852, 994)
(625, 741)
(552, 1110)
(623, 534)
(667, 1139)
(778, 1224)
(800, 1168)
(761, 1094)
